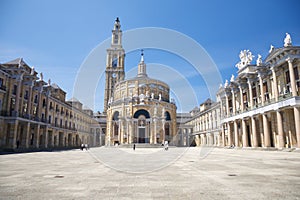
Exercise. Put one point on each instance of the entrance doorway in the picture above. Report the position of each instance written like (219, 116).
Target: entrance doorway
(142, 135)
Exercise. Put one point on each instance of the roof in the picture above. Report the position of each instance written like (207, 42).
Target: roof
(15, 62)
(73, 99)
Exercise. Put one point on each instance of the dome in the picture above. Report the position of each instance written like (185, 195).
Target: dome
(142, 85)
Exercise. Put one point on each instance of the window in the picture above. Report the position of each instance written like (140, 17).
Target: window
(287, 77)
(49, 121)
(15, 89)
(36, 98)
(296, 73)
(26, 94)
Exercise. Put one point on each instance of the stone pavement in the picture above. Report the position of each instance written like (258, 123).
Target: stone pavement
(179, 173)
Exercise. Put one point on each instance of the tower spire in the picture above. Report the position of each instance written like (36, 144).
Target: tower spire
(142, 55)
(142, 66)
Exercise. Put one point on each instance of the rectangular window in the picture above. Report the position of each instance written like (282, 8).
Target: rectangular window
(15, 90)
(296, 73)
(287, 77)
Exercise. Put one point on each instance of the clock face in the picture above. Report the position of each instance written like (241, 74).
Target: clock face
(114, 75)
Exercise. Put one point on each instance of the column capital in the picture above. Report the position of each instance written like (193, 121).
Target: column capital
(289, 59)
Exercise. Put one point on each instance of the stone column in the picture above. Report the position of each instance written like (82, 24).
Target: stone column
(27, 135)
(227, 106)
(254, 133)
(236, 134)
(297, 125)
(46, 136)
(292, 77)
(17, 105)
(223, 136)
(37, 136)
(275, 87)
(267, 142)
(229, 134)
(29, 102)
(241, 98)
(233, 102)
(280, 129)
(250, 93)
(261, 85)
(245, 134)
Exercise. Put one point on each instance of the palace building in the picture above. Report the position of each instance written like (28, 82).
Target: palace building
(138, 110)
(258, 108)
(35, 115)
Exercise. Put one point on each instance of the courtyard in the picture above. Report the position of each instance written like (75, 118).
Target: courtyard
(151, 173)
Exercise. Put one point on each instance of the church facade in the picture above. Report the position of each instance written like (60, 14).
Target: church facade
(138, 110)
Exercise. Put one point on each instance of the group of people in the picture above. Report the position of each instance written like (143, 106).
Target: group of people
(84, 146)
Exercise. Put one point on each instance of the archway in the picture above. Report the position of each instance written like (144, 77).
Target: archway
(143, 132)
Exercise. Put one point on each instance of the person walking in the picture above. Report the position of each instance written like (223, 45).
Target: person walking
(133, 147)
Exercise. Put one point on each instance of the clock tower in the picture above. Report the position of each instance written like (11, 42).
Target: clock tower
(114, 63)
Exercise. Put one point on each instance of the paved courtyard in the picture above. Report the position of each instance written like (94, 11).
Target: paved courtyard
(179, 173)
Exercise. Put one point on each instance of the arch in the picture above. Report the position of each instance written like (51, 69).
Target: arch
(141, 112)
(115, 116)
(167, 116)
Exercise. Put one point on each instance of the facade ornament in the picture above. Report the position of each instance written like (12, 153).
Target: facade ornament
(41, 76)
(152, 95)
(232, 78)
(49, 81)
(271, 49)
(246, 58)
(287, 40)
(159, 97)
(226, 84)
(147, 93)
(259, 60)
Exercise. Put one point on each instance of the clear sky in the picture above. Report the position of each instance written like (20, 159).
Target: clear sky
(55, 36)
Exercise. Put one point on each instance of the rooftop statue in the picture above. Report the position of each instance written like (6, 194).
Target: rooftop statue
(259, 60)
(232, 78)
(271, 48)
(32, 71)
(246, 58)
(226, 84)
(41, 76)
(287, 40)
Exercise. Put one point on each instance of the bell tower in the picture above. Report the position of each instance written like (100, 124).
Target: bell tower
(114, 63)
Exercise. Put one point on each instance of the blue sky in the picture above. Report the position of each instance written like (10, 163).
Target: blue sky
(56, 36)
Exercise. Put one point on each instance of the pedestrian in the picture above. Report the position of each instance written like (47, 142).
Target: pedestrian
(133, 147)
(81, 147)
(18, 144)
(86, 147)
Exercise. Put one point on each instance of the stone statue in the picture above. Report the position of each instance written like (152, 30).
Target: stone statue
(226, 84)
(152, 95)
(259, 60)
(49, 81)
(271, 48)
(287, 40)
(232, 78)
(246, 58)
(41, 76)
(155, 111)
(147, 93)
(20, 63)
(159, 97)
(32, 71)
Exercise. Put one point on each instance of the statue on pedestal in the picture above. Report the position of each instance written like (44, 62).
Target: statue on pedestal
(287, 40)
(259, 60)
